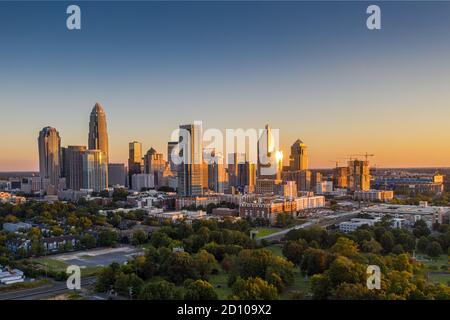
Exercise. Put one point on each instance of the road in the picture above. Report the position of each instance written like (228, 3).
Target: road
(324, 222)
(45, 291)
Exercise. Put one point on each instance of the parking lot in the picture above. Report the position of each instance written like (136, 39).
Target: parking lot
(98, 257)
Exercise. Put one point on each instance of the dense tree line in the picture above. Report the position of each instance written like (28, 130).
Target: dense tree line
(336, 263)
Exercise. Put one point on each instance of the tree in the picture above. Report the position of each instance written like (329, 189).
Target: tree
(159, 290)
(199, 290)
(120, 195)
(107, 237)
(293, 251)
(179, 266)
(88, 241)
(422, 244)
(107, 277)
(139, 237)
(371, 246)
(343, 270)
(264, 264)
(128, 284)
(320, 286)
(387, 241)
(434, 249)
(345, 247)
(315, 261)
(205, 263)
(421, 229)
(254, 289)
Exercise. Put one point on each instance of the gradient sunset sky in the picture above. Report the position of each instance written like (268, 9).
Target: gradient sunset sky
(313, 70)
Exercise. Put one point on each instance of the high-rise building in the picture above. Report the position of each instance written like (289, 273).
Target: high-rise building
(134, 160)
(171, 145)
(143, 181)
(95, 170)
(117, 174)
(270, 160)
(190, 171)
(98, 133)
(340, 176)
(316, 179)
(50, 162)
(73, 166)
(155, 164)
(299, 156)
(217, 174)
(358, 175)
(246, 175)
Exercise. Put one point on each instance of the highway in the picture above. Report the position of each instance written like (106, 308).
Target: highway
(45, 291)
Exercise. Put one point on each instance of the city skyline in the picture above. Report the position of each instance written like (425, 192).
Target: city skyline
(317, 74)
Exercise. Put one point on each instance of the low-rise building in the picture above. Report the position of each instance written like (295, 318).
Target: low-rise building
(374, 195)
(410, 213)
(14, 227)
(355, 223)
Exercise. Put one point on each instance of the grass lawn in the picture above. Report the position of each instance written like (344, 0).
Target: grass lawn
(433, 267)
(55, 265)
(265, 231)
(300, 284)
(221, 280)
(443, 278)
(277, 249)
(51, 264)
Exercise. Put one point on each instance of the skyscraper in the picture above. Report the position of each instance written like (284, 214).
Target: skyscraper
(95, 170)
(299, 156)
(155, 164)
(190, 171)
(73, 166)
(217, 175)
(98, 133)
(358, 175)
(270, 162)
(117, 174)
(50, 166)
(170, 147)
(134, 160)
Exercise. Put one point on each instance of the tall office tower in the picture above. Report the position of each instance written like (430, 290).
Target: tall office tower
(73, 166)
(134, 160)
(232, 168)
(190, 172)
(155, 164)
(340, 177)
(268, 165)
(304, 180)
(217, 175)
(316, 178)
(358, 175)
(246, 176)
(117, 174)
(50, 165)
(299, 156)
(98, 133)
(95, 170)
(205, 176)
(171, 145)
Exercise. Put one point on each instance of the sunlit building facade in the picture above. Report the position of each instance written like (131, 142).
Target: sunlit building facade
(50, 159)
(95, 170)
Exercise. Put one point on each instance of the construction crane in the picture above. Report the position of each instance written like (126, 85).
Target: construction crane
(336, 161)
(365, 155)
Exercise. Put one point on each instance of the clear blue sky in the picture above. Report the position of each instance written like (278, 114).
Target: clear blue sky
(311, 69)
